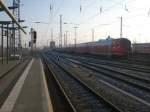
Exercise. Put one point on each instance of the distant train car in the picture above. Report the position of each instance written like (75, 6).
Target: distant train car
(109, 46)
(141, 48)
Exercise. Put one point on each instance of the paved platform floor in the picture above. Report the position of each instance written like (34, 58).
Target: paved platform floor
(30, 93)
(5, 67)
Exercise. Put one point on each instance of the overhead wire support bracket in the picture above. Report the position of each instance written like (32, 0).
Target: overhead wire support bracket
(10, 8)
(2, 5)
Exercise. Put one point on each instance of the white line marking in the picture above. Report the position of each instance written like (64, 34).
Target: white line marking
(48, 100)
(12, 98)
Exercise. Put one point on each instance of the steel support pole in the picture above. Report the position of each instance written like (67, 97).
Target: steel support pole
(7, 43)
(75, 40)
(92, 35)
(11, 42)
(2, 44)
(121, 27)
(14, 46)
(51, 34)
(60, 39)
(66, 38)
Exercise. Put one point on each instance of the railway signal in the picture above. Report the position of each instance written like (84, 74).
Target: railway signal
(34, 36)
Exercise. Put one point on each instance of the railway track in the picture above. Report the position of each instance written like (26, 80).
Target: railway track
(131, 72)
(140, 58)
(129, 61)
(9, 79)
(126, 73)
(130, 84)
(119, 65)
(78, 94)
(135, 61)
(124, 100)
(58, 98)
(129, 66)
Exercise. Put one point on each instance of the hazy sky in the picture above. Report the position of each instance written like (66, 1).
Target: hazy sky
(101, 15)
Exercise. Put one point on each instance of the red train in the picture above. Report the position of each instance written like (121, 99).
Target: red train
(109, 46)
(141, 48)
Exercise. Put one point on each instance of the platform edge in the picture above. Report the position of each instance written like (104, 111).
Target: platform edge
(48, 107)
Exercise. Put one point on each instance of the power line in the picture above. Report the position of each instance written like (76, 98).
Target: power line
(104, 10)
(107, 9)
(89, 5)
(53, 15)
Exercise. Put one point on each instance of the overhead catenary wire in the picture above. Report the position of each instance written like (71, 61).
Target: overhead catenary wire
(50, 17)
(103, 10)
(53, 15)
(112, 21)
(88, 5)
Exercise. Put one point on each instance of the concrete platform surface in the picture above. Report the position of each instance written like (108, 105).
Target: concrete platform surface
(30, 94)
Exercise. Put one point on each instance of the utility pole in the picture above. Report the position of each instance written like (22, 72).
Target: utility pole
(51, 34)
(19, 32)
(60, 39)
(121, 22)
(66, 38)
(31, 32)
(75, 40)
(92, 35)
(2, 37)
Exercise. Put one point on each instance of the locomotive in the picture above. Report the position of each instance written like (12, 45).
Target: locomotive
(109, 46)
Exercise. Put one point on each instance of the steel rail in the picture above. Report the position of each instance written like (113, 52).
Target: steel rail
(2, 5)
(85, 85)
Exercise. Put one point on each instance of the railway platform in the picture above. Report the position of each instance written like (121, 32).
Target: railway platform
(30, 93)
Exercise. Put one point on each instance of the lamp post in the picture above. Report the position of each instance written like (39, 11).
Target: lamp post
(41, 22)
(93, 35)
(60, 38)
(75, 29)
(121, 26)
(66, 39)
(75, 40)
(48, 42)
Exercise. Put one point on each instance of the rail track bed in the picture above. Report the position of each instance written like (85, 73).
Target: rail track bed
(133, 83)
(111, 62)
(135, 90)
(137, 68)
(57, 96)
(132, 60)
(143, 58)
(78, 94)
